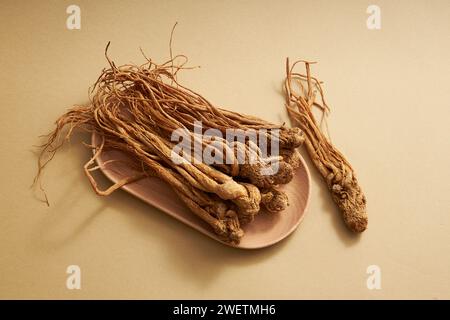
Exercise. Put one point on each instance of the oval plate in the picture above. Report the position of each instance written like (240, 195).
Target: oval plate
(265, 230)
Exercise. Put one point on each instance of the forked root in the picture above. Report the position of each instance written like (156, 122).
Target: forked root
(115, 186)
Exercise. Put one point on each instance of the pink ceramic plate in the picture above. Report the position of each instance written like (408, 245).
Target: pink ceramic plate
(267, 229)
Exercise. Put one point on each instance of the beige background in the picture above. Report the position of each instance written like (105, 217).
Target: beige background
(389, 92)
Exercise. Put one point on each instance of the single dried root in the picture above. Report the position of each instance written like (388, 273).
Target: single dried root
(332, 165)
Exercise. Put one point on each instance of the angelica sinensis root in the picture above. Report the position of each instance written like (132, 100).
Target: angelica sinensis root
(136, 108)
(301, 90)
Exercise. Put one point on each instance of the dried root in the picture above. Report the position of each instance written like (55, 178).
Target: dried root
(136, 109)
(274, 200)
(339, 175)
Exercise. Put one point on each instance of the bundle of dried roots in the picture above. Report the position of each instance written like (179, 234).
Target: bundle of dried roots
(136, 109)
(301, 91)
